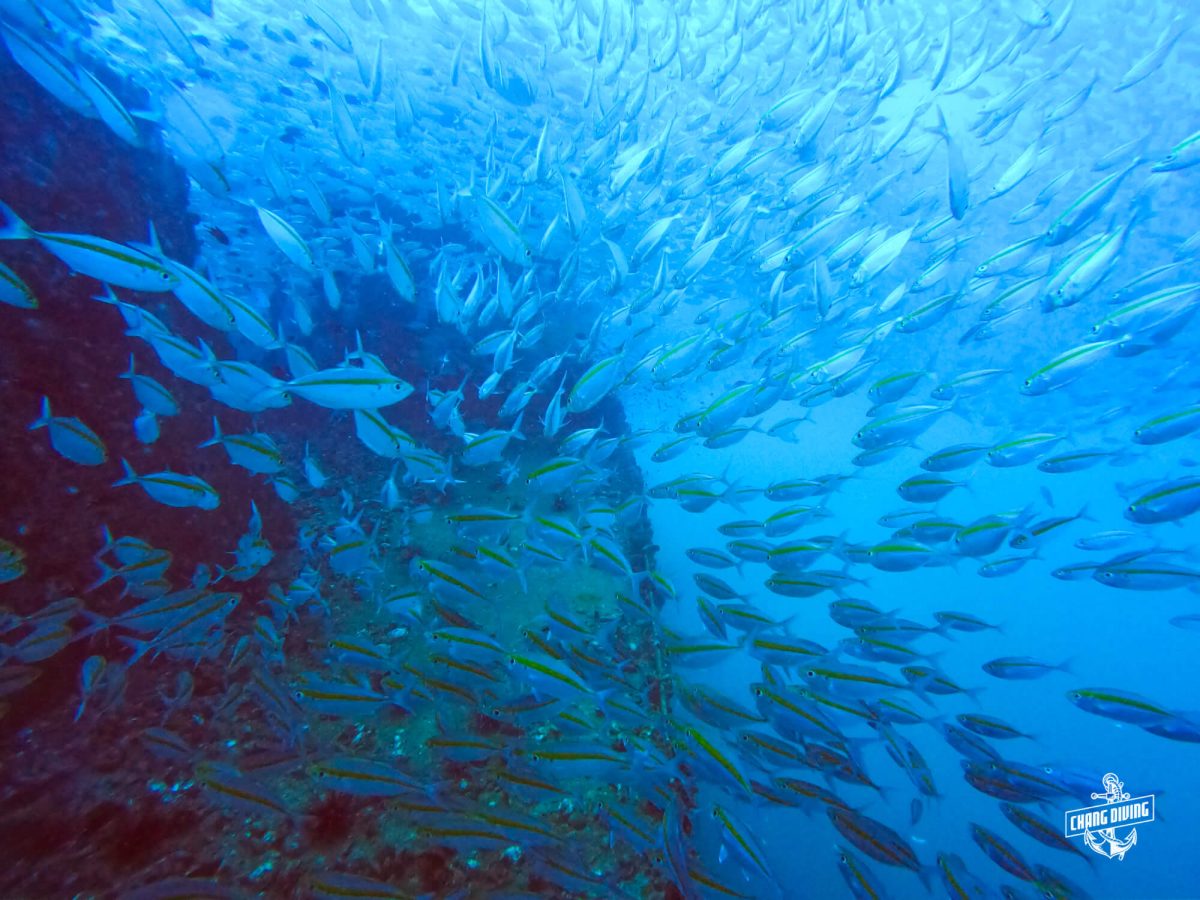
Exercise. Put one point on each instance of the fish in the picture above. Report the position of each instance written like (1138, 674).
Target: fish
(152, 395)
(108, 261)
(1002, 853)
(1123, 706)
(363, 777)
(330, 885)
(350, 387)
(684, 291)
(957, 177)
(876, 840)
(14, 291)
(256, 452)
(594, 384)
(738, 841)
(286, 238)
(1183, 155)
(172, 489)
(229, 787)
(1166, 502)
(1087, 207)
(12, 561)
(70, 438)
(1022, 668)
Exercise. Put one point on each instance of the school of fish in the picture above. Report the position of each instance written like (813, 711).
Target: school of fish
(785, 258)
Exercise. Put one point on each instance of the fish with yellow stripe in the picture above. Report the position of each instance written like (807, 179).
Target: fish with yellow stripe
(172, 489)
(256, 452)
(70, 438)
(877, 840)
(113, 263)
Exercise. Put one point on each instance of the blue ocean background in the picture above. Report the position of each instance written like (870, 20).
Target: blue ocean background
(470, 192)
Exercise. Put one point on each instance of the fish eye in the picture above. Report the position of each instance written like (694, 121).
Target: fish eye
(396, 386)
(812, 674)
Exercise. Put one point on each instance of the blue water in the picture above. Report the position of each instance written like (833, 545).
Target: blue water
(651, 220)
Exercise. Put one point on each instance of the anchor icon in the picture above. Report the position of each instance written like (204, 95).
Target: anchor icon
(1105, 841)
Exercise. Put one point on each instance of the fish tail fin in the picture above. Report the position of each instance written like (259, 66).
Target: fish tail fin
(840, 545)
(131, 371)
(107, 573)
(210, 362)
(885, 794)
(14, 227)
(516, 428)
(108, 296)
(920, 690)
(217, 436)
(140, 648)
(109, 541)
(44, 419)
(926, 873)
(98, 623)
(941, 129)
(730, 494)
(845, 571)
(207, 351)
(943, 630)
(131, 477)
